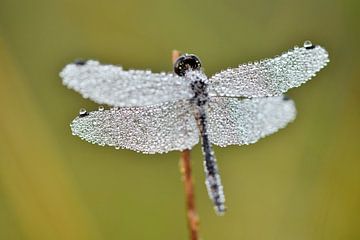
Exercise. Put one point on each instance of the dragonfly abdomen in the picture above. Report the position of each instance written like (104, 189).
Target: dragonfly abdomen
(213, 180)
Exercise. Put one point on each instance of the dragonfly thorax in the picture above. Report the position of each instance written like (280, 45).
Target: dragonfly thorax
(199, 86)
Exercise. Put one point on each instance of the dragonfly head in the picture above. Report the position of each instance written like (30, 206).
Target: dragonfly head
(186, 62)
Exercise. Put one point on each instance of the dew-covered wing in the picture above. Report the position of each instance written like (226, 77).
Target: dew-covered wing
(109, 84)
(232, 121)
(270, 77)
(148, 129)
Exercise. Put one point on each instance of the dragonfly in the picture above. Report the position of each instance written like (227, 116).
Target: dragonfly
(161, 112)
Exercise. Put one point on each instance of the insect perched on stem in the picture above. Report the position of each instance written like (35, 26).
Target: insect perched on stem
(161, 112)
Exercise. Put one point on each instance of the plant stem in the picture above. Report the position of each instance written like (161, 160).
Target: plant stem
(185, 169)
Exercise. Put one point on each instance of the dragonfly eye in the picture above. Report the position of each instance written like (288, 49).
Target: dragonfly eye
(185, 63)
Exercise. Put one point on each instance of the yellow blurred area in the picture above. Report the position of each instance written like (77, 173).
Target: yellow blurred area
(300, 183)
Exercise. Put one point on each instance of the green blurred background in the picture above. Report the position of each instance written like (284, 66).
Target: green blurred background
(301, 183)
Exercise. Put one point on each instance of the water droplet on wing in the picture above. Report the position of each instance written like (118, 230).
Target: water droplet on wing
(308, 44)
(83, 112)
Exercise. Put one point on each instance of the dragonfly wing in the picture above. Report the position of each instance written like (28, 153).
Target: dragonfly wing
(109, 84)
(148, 129)
(233, 121)
(270, 77)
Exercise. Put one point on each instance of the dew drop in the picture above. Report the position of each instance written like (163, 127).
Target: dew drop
(80, 62)
(308, 44)
(83, 112)
(101, 108)
(117, 147)
(286, 98)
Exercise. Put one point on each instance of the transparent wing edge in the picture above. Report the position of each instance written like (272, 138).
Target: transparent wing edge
(270, 77)
(243, 122)
(152, 129)
(111, 85)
